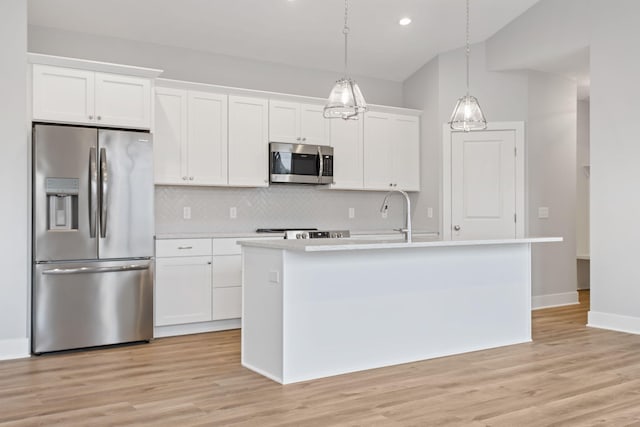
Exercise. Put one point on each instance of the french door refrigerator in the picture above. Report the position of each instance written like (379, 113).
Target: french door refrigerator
(92, 237)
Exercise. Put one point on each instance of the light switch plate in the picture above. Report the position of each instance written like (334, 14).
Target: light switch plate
(186, 212)
(233, 212)
(274, 277)
(352, 213)
(543, 212)
(429, 212)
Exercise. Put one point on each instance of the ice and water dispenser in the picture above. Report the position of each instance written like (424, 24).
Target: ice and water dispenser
(62, 200)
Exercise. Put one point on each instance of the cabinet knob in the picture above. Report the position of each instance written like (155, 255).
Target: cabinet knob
(99, 117)
(456, 227)
(184, 178)
(90, 117)
(304, 139)
(209, 262)
(298, 139)
(190, 178)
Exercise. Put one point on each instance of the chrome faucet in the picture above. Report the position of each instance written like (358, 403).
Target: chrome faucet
(385, 207)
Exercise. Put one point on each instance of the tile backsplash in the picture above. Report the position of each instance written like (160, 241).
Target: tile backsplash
(277, 206)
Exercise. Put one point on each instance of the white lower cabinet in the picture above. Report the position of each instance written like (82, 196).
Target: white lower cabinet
(183, 290)
(198, 280)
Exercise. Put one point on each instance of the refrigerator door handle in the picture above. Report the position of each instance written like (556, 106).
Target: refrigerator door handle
(93, 192)
(86, 270)
(104, 192)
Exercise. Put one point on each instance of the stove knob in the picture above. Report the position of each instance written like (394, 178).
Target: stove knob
(298, 235)
(305, 236)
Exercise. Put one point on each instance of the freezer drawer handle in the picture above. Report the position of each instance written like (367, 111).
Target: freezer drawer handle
(185, 247)
(86, 270)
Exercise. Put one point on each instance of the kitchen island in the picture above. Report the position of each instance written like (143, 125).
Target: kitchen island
(313, 309)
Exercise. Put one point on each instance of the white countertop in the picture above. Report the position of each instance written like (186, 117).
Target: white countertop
(249, 234)
(324, 245)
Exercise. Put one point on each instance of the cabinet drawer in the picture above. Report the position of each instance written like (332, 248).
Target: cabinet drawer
(183, 247)
(226, 247)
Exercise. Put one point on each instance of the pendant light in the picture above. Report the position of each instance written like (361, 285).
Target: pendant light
(467, 115)
(345, 100)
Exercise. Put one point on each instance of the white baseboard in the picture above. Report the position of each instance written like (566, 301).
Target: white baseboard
(16, 348)
(195, 328)
(614, 322)
(554, 300)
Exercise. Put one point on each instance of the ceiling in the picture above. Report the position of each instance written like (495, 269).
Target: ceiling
(304, 33)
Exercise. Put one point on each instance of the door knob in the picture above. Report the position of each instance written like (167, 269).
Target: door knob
(456, 227)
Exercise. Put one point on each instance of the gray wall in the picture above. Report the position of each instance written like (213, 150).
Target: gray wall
(551, 175)
(192, 65)
(14, 255)
(547, 104)
(582, 179)
(615, 174)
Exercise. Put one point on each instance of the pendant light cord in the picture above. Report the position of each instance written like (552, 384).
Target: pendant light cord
(345, 31)
(468, 49)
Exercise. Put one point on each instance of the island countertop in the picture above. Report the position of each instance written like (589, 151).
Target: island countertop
(326, 245)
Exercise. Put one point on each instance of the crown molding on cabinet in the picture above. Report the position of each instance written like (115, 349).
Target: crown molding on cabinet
(84, 64)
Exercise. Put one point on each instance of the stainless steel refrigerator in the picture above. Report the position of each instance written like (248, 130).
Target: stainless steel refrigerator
(92, 237)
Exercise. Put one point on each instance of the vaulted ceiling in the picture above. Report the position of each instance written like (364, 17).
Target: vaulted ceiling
(305, 33)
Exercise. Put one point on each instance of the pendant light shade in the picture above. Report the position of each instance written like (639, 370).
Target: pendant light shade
(467, 115)
(345, 100)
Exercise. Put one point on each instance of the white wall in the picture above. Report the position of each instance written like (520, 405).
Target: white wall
(192, 65)
(582, 180)
(615, 171)
(14, 256)
(551, 182)
(550, 31)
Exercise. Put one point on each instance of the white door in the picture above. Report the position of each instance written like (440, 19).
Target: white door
(248, 141)
(483, 185)
(207, 145)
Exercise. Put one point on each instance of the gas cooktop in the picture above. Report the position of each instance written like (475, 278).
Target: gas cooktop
(282, 230)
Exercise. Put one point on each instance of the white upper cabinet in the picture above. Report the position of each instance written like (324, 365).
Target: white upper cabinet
(391, 152)
(248, 141)
(298, 123)
(347, 142)
(170, 136)
(190, 137)
(207, 136)
(123, 101)
(71, 95)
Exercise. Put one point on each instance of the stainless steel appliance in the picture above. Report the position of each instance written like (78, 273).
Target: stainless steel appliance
(316, 234)
(300, 163)
(92, 237)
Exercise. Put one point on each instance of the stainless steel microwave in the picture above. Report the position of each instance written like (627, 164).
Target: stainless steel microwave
(300, 163)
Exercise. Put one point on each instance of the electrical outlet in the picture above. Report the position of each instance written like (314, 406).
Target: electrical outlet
(352, 213)
(186, 212)
(429, 212)
(233, 212)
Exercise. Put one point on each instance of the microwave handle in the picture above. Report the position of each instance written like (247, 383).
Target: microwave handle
(321, 170)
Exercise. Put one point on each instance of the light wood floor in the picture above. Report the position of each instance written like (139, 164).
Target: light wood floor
(569, 375)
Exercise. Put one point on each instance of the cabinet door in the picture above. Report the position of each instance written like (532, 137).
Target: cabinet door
(227, 287)
(207, 138)
(347, 142)
(314, 128)
(379, 143)
(123, 101)
(170, 136)
(406, 166)
(248, 141)
(284, 121)
(183, 290)
(63, 94)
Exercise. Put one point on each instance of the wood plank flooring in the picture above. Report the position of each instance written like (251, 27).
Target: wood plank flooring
(570, 375)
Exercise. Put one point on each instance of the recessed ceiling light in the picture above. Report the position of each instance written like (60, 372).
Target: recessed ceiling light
(405, 21)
